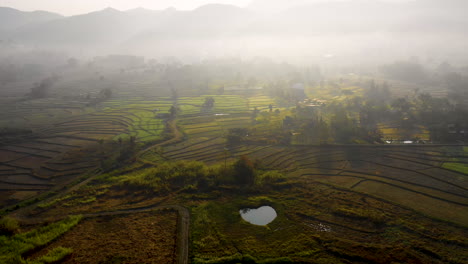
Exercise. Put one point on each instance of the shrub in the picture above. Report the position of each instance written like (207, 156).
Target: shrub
(8, 226)
(270, 178)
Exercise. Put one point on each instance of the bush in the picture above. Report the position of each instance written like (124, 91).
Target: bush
(194, 175)
(8, 226)
(270, 178)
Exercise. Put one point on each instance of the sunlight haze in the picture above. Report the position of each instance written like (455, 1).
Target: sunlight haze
(69, 8)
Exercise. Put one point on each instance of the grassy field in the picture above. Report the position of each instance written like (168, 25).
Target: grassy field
(319, 223)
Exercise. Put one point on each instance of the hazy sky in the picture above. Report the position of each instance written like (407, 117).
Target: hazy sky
(74, 7)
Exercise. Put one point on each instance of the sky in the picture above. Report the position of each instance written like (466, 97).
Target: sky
(76, 7)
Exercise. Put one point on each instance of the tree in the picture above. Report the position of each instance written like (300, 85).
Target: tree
(221, 90)
(255, 112)
(41, 90)
(236, 135)
(174, 93)
(244, 170)
(173, 111)
(209, 102)
(341, 126)
(457, 86)
(288, 122)
(106, 93)
(401, 104)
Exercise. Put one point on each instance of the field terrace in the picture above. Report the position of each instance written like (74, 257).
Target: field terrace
(428, 179)
(55, 153)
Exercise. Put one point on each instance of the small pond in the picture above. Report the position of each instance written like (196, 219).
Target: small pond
(260, 216)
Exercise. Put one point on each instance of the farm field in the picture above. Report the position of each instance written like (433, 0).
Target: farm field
(148, 237)
(321, 223)
(338, 204)
(399, 174)
(335, 203)
(60, 149)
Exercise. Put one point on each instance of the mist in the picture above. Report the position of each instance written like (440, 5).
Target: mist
(364, 32)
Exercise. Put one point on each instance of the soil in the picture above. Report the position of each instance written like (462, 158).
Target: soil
(139, 238)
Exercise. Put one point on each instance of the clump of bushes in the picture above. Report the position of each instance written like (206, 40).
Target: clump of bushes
(169, 176)
(197, 176)
(269, 178)
(8, 226)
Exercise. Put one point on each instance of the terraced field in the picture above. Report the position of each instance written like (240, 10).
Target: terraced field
(396, 132)
(412, 176)
(428, 179)
(55, 153)
(321, 223)
(339, 204)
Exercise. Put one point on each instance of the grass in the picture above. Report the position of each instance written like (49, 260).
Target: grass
(44, 205)
(144, 124)
(53, 256)
(13, 248)
(460, 167)
(435, 208)
(221, 236)
(316, 223)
